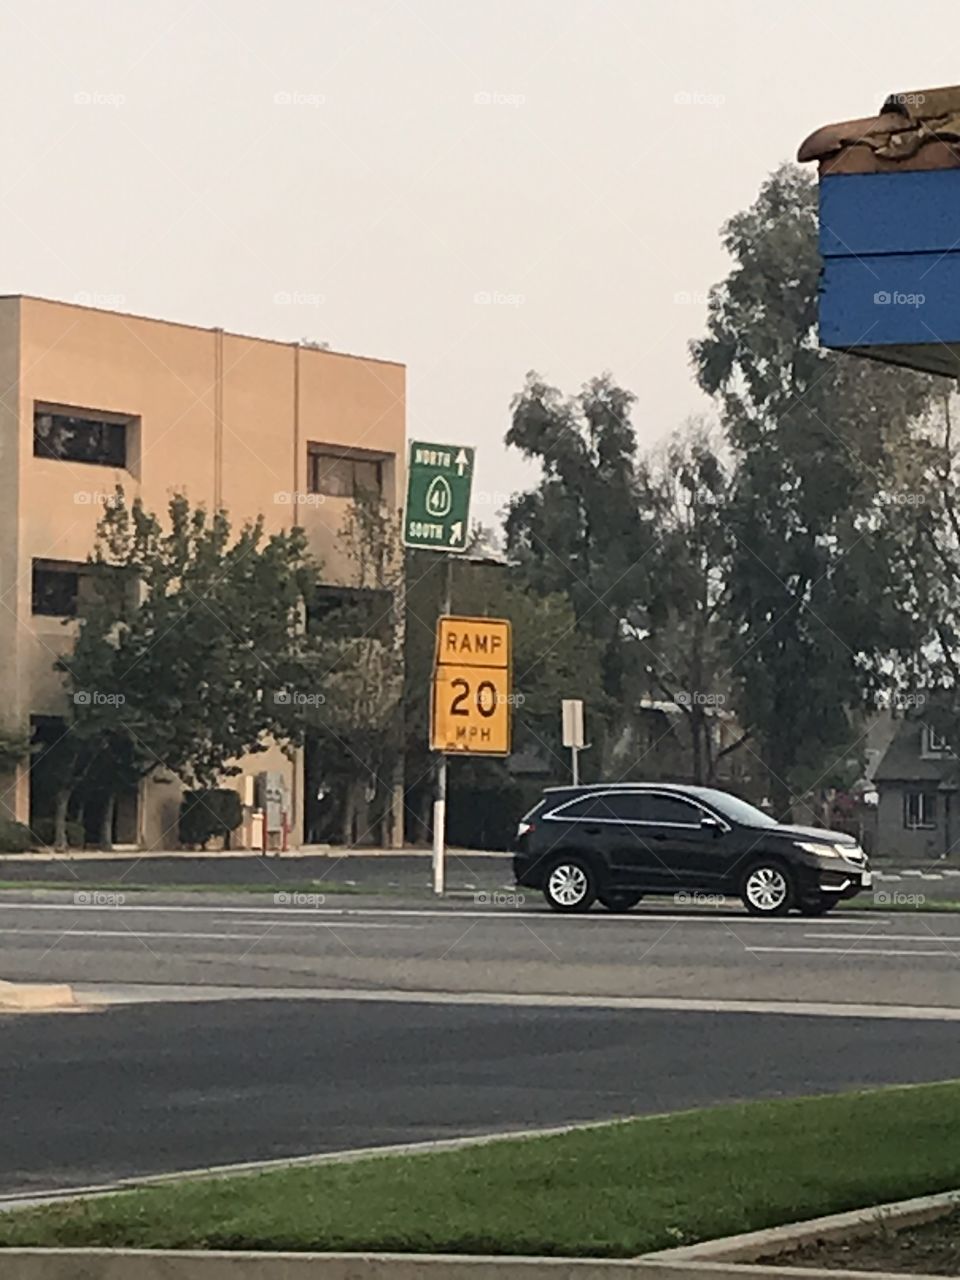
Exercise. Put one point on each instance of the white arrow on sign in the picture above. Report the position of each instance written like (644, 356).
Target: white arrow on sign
(456, 532)
(461, 461)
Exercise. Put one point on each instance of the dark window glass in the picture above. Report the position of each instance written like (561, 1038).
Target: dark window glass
(352, 613)
(589, 807)
(343, 476)
(672, 809)
(920, 810)
(54, 590)
(78, 438)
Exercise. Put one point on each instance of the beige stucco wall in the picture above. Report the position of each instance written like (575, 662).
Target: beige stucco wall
(225, 419)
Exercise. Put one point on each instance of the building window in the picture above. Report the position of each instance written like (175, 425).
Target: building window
(920, 810)
(55, 588)
(344, 473)
(73, 435)
(933, 743)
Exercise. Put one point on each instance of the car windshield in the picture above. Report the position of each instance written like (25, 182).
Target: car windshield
(735, 809)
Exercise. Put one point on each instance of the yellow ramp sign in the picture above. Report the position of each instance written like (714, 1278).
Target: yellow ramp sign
(471, 702)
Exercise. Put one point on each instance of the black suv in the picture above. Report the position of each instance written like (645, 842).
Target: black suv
(619, 841)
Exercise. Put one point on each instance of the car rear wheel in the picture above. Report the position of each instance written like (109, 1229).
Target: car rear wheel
(570, 884)
(767, 890)
(619, 900)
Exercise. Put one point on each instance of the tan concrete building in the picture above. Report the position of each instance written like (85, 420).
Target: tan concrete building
(90, 399)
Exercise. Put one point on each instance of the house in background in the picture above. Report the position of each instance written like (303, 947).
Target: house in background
(918, 809)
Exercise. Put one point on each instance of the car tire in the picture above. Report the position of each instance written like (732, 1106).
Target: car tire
(768, 889)
(819, 907)
(619, 901)
(570, 884)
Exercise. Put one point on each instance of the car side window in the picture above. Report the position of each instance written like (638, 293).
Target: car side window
(672, 810)
(589, 807)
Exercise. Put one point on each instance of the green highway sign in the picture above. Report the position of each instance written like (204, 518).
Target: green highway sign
(437, 514)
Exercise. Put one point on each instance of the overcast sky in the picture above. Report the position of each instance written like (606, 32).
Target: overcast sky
(474, 187)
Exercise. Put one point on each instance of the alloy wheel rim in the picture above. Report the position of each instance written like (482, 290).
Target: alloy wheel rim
(767, 888)
(568, 884)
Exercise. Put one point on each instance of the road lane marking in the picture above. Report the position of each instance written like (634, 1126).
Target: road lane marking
(855, 951)
(169, 933)
(890, 937)
(452, 914)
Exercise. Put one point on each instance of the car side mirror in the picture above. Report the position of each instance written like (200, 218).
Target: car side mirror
(708, 823)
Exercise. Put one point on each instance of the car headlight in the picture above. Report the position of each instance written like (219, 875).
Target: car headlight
(821, 850)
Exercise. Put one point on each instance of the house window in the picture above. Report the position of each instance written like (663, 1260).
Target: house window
(920, 810)
(933, 743)
(344, 473)
(73, 435)
(55, 588)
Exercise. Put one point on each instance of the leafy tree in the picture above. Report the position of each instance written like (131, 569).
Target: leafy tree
(687, 647)
(187, 651)
(814, 599)
(355, 742)
(588, 530)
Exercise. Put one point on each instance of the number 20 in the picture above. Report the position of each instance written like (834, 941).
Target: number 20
(486, 698)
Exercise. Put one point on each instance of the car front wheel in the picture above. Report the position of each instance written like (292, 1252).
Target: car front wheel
(767, 890)
(570, 884)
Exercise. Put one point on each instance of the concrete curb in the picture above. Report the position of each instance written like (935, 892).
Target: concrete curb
(142, 1264)
(36, 997)
(751, 1245)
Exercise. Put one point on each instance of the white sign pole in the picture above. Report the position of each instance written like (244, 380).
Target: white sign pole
(572, 718)
(440, 796)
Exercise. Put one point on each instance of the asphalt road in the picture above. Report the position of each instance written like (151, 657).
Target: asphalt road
(88, 1098)
(490, 945)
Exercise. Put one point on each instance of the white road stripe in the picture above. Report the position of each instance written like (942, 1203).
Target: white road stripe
(854, 951)
(453, 914)
(890, 937)
(135, 934)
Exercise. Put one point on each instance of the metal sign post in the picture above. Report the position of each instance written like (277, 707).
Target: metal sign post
(436, 517)
(572, 715)
(470, 703)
